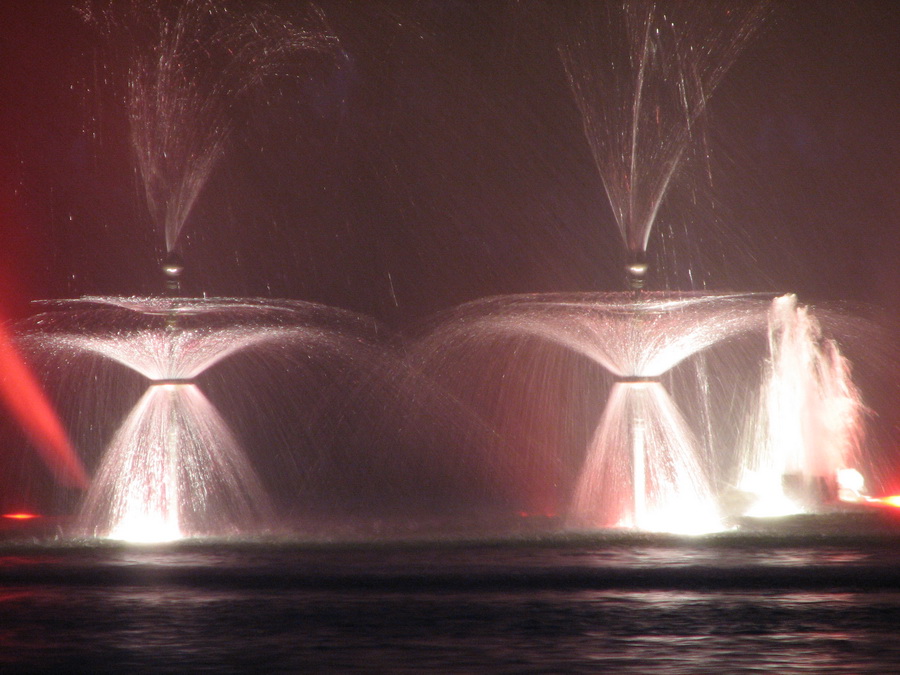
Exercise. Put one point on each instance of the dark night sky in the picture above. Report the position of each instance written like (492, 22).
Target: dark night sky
(444, 160)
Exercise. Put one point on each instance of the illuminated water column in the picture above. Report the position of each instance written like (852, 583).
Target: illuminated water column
(174, 470)
(641, 470)
(808, 435)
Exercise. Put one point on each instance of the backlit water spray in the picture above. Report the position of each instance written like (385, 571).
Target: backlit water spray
(641, 74)
(806, 441)
(173, 468)
(191, 64)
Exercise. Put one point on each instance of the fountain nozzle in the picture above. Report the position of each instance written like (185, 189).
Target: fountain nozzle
(172, 381)
(636, 270)
(637, 379)
(172, 268)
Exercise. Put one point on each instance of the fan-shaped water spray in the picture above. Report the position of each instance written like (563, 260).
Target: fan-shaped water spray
(641, 467)
(190, 63)
(642, 74)
(174, 468)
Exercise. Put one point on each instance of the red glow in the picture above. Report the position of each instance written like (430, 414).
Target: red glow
(24, 397)
(893, 500)
(20, 516)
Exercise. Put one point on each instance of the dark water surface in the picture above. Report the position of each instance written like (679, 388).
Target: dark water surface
(620, 604)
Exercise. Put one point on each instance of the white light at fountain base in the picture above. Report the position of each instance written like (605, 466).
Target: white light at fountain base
(146, 528)
(774, 505)
(851, 479)
(678, 519)
(851, 485)
(769, 501)
(173, 470)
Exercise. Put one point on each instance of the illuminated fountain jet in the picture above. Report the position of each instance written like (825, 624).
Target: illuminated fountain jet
(807, 439)
(173, 468)
(641, 469)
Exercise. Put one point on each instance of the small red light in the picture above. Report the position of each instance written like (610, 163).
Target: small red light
(20, 516)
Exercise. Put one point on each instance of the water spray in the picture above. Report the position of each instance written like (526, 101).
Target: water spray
(636, 271)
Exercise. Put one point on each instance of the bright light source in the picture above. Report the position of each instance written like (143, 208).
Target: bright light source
(773, 505)
(680, 520)
(146, 529)
(851, 479)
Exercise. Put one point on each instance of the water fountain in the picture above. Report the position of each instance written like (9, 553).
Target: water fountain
(639, 116)
(174, 468)
(807, 439)
(642, 467)
(642, 74)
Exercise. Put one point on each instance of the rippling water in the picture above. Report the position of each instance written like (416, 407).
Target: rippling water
(625, 604)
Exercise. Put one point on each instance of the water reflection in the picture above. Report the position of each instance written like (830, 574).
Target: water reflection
(528, 631)
(722, 557)
(467, 608)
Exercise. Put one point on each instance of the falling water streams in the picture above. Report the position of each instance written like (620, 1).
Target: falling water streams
(639, 114)
(641, 74)
(174, 468)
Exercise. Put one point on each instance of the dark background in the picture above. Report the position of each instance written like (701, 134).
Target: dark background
(442, 159)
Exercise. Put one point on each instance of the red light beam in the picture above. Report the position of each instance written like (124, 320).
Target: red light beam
(25, 398)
